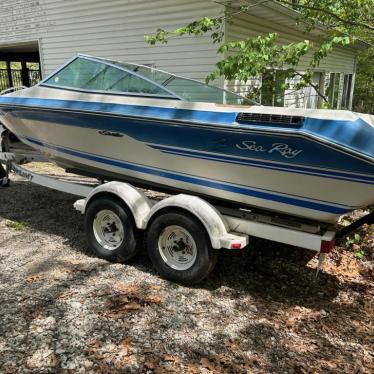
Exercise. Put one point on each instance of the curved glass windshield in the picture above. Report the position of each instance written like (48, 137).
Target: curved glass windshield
(188, 89)
(92, 75)
(86, 73)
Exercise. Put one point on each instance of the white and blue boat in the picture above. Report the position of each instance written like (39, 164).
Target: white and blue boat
(121, 121)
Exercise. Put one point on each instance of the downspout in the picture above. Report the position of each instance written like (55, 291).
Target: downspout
(224, 82)
(41, 59)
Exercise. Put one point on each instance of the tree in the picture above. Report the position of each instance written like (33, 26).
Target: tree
(339, 22)
(364, 91)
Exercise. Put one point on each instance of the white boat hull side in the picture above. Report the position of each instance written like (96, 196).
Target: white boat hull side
(171, 170)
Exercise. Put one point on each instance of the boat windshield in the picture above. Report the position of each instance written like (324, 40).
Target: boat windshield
(187, 89)
(93, 74)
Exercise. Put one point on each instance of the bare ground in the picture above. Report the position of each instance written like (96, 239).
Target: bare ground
(263, 310)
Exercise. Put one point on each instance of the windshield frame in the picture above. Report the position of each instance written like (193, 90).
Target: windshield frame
(119, 65)
(172, 76)
(172, 95)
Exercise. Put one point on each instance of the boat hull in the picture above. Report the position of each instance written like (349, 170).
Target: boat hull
(265, 169)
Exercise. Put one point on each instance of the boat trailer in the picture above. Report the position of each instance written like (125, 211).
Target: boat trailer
(116, 213)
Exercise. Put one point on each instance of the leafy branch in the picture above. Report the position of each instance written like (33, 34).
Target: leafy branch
(324, 9)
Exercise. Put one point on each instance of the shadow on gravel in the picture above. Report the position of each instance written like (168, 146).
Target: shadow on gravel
(45, 210)
(268, 270)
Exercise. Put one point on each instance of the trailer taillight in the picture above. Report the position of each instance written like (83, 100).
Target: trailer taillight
(235, 246)
(327, 246)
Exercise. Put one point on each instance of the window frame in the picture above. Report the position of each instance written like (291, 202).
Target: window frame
(346, 90)
(172, 95)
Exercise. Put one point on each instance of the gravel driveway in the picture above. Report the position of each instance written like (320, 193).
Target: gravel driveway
(263, 310)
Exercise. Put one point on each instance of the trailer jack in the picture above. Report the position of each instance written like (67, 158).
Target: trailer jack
(321, 260)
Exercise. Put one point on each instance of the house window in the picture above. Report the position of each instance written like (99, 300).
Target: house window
(311, 94)
(333, 90)
(347, 87)
(273, 88)
(17, 73)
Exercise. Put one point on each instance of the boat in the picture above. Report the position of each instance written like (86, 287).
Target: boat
(128, 122)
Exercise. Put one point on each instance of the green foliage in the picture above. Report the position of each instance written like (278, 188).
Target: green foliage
(360, 254)
(363, 99)
(354, 242)
(253, 56)
(355, 239)
(343, 23)
(197, 28)
(18, 226)
(351, 19)
(346, 220)
(327, 46)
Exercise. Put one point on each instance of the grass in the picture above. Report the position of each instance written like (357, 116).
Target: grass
(18, 226)
(45, 167)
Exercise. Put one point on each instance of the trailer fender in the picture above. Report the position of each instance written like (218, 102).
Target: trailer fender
(214, 223)
(135, 200)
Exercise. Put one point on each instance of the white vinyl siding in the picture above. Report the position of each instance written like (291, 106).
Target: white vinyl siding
(112, 29)
(115, 29)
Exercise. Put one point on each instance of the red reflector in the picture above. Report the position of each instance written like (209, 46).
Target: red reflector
(327, 246)
(236, 246)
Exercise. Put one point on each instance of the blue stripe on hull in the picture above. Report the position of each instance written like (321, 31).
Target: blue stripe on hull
(239, 189)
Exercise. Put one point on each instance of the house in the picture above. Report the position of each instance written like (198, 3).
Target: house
(36, 36)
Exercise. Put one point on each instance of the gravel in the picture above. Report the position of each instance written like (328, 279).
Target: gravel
(262, 309)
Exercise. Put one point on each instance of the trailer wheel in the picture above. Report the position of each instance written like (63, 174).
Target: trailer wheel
(110, 230)
(179, 248)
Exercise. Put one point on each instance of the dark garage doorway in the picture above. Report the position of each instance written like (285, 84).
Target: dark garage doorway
(19, 65)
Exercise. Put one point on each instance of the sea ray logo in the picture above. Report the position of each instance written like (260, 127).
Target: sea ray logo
(282, 148)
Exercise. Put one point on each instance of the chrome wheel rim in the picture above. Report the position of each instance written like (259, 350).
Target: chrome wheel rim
(177, 247)
(108, 230)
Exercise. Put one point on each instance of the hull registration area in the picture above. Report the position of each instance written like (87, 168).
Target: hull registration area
(282, 148)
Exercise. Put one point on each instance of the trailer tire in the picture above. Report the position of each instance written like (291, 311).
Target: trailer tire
(110, 230)
(5, 141)
(179, 248)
